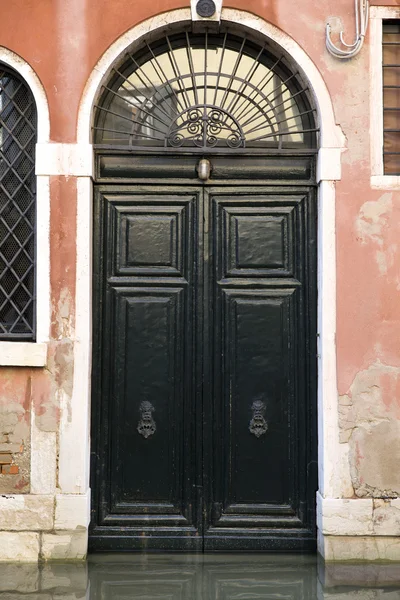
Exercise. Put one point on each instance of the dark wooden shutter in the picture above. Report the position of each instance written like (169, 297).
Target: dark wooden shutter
(391, 97)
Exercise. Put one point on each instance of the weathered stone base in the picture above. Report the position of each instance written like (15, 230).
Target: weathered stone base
(64, 545)
(359, 548)
(55, 527)
(43, 527)
(29, 546)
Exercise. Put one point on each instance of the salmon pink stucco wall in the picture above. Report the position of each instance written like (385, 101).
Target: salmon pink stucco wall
(63, 40)
(33, 397)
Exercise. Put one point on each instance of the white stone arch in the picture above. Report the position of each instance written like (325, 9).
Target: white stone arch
(331, 136)
(74, 438)
(20, 66)
(26, 353)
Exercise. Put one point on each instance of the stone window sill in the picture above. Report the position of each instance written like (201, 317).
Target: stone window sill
(23, 354)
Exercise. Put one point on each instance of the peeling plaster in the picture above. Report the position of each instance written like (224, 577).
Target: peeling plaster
(374, 460)
(63, 315)
(64, 366)
(54, 389)
(369, 421)
(386, 517)
(371, 223)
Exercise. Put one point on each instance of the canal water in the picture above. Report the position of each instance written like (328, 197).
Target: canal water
(200, 577)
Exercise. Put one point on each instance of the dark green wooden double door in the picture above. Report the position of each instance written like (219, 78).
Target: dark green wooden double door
(204, 368)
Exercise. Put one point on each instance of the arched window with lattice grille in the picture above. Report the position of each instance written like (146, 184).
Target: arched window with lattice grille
(18, 133)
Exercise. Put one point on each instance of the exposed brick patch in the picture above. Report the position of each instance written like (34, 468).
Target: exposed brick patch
(11, 448)
(15, 419)
(7, 450)
(6, 466)
(10, 470)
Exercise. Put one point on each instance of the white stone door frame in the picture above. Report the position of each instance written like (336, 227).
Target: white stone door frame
(74, 441)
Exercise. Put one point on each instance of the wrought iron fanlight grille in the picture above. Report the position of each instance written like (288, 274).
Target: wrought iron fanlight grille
(205, 92)
(17, 208)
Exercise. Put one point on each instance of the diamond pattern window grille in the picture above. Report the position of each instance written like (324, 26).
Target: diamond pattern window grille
(17, 208)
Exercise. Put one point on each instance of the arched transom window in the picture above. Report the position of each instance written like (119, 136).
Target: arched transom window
(205, 92)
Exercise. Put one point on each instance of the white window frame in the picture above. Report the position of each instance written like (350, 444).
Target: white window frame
(379, 180)
(34, 354)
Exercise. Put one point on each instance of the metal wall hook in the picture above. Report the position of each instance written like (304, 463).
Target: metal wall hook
(350, 50)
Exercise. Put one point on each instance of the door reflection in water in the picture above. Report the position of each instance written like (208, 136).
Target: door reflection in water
(207, 577)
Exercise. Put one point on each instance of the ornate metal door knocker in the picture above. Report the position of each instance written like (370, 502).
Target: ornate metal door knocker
(258, 425)
(147, 425)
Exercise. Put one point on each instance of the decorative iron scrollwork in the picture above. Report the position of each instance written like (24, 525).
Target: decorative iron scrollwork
(205, 93)
(205, 126)
(147, 425)
(258, 425)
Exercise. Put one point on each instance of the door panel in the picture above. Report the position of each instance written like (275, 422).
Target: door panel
(147, 368)
(260, 402)
(258, 389)
(152, 239)
(204, 368)
(257, 406)
(146, 476)
(257, 242)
